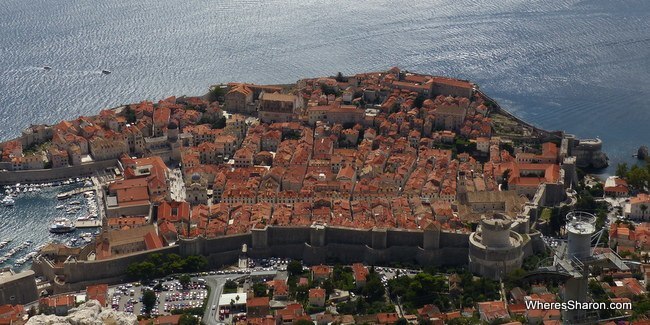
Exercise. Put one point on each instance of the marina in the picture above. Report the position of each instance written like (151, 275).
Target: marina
(39, 208)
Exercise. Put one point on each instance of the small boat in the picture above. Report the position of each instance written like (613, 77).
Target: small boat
(106, 71)
(62, 196)
(86, 236)
(60, 206)
(8, 201)
(47, 68)
(4, 243)
(74, 202)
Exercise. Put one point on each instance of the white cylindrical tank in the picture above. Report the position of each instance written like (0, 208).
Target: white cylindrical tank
(580, 226)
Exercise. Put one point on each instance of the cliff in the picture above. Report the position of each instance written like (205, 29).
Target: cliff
(89, 313)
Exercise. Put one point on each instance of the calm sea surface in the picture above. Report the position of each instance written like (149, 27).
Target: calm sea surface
(581, 66)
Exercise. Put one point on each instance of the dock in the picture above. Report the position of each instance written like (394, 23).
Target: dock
(88, 223)
(78, 191)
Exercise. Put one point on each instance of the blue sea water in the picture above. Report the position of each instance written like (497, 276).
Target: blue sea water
(577, 65)
(31, 217)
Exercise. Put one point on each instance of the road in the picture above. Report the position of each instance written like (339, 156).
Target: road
(216, 284)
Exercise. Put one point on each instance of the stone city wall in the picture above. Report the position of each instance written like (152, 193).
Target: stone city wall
(314, 245)
(50, 175)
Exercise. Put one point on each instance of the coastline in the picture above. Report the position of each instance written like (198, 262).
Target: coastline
(538, 132)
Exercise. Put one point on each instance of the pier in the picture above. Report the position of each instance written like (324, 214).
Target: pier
(87, 223)
(75, 192)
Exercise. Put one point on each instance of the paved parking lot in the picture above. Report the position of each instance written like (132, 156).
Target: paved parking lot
(389, 273)
(171, 296)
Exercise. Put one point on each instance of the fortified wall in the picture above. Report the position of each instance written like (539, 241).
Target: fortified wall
(17, 288)
(314, 245)
(54, 174)
(321, 244)
(75, 275)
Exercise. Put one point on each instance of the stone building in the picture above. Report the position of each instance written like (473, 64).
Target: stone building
(17, 288)
(276, 107)
(239, 99)
(196, 191)
(494, 249)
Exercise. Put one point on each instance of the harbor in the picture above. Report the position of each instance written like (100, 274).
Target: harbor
(42, 206)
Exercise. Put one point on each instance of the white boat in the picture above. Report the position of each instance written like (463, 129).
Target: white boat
(8, 201)
(60, 206)
(62, 226)
(4, 243)
(62, 196)
(86, 236)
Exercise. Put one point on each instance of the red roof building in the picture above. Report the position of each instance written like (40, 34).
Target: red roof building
(97, 292)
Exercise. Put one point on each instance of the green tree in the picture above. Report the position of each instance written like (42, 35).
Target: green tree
(230, 286)
(621, 170)
(638, 177)
(148, 301)
(373, 290)
(294, 268)
(597, 190)
(260, 289)
(129, 114)
(184, 280)
(515, 279)
(188, 320)
(195, 263)
(328, 285)
(402, 321)
(144, 271)
(218, 92)
(301, 293)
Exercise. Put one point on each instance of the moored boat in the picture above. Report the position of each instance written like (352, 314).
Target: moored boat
(62, 226)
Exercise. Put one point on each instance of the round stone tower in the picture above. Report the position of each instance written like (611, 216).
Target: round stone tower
(494, 249)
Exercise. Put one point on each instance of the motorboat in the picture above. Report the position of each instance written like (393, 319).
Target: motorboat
(8, 201)
(4, 243)
(106, 72)
(62, 196)
(62, 226)
(47, 68)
